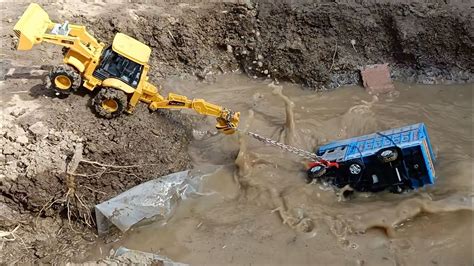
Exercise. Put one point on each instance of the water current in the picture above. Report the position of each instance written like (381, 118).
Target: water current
(258, 209)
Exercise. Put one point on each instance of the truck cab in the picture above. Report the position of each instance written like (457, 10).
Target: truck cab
(396, 159)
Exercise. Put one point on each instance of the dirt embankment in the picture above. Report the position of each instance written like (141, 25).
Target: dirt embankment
(38, 146)
(318, 45)
(155, 144)
(423, 42)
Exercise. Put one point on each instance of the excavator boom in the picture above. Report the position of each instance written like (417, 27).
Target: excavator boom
(227, 120)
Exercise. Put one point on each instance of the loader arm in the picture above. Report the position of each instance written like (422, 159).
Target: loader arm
(35, 26)
(227, 120)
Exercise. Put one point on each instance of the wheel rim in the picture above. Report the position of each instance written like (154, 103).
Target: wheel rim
(62, 82)
(110, 105)
(387, 153)
(316, 169)
(355, 169)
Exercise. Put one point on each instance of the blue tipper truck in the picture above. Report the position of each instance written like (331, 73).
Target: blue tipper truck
(397, 159)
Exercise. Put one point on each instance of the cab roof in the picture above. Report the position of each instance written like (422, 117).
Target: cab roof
(131, 48)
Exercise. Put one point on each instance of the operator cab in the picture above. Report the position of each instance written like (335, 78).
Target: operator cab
(124, 60)
(116, 66)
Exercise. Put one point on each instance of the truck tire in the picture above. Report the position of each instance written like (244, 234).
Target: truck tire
(109, 102)
(396, 189)
(387, 155)
(316, 171)
(64, 80)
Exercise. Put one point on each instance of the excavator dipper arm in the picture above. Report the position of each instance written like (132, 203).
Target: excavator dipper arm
(227, 120)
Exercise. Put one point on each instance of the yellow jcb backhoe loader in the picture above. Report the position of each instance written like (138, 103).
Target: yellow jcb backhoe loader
(119, 71)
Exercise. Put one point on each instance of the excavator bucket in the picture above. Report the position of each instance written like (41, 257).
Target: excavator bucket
(32, 25)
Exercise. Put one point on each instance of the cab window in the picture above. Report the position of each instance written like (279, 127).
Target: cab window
(113, 65)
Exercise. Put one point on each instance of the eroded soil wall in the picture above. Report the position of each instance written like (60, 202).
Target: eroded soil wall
(318, 45)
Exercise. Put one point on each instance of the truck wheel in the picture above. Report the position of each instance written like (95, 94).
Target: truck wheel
(110, 103)
(396, 189)
(355, 168)
(316, 171)
(64, 79)
(387, 155)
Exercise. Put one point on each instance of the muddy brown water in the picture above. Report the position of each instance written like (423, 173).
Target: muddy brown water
(257, 209)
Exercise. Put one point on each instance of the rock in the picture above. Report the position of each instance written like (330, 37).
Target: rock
(13, 148)
(89, 237)
(22, 140)
(265, 72)
(260, 64)
(39, 129)
(376, 79)
(15, 133)
(201, 74)
(17, 112)
(40, 254)
(260, 57)
(9, 158)
(305, 225)
(9, 20)
(229, 48)
(8, 149)
(74, 138)
(91, 147)
(20, 164)
(12, 175)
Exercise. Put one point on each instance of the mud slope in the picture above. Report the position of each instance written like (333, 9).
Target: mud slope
(315, 44)
(42, 136)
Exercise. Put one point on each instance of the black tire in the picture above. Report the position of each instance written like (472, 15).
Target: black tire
(109, 102)
(396, 189)
(387, 155)
(64, 80)
(316, 172)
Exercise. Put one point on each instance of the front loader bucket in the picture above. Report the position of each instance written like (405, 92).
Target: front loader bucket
(32, 25)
